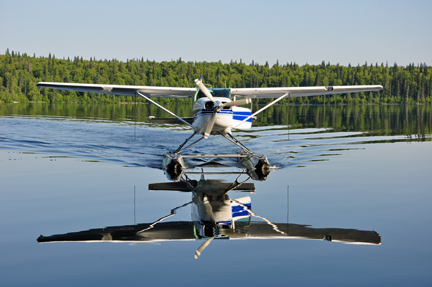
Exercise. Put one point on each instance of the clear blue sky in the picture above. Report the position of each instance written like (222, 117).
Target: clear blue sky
(289, 31)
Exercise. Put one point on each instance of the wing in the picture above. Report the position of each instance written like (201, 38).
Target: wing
(122, 90)
(301, 91)
(174, 92)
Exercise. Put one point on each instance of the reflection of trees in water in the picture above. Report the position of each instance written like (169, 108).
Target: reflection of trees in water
(376, 119)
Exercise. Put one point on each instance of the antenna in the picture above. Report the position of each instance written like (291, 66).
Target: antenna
(288, 225)
(288, 107)
(134, 205)
(135, 117)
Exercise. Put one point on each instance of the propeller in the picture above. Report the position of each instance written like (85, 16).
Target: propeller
(210, 124)
(208, 211)
(225, 105)
(205, 90)
(202, 247)
(216, 106)
(237, 103)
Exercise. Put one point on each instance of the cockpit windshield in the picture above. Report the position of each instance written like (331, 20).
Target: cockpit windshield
(223, 93)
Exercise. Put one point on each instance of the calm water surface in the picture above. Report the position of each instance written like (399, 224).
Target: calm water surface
(356, 176)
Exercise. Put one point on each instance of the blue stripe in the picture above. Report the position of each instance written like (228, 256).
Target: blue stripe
(237, 208)
(243, 213)
(239, 116)
(210, 112)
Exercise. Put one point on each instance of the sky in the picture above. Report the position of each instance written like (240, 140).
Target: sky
(344, 32)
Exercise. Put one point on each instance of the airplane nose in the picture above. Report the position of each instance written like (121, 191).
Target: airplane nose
(209, 105)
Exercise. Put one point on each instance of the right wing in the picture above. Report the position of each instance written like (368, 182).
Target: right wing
(123, 90)
(301, 91)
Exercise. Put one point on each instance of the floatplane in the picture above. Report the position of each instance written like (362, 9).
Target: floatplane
(214, 215)
(216, 111)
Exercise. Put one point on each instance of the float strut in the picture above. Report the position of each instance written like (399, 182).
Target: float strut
(237, 142)
(179, 151)
(182, 145)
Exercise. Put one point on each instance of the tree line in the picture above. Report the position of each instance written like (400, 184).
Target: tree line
(19, 74)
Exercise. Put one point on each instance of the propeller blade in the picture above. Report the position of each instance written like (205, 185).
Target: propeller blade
(204, 90)
(237, 103)
(210, 125)
(209, 209)
(202, 247)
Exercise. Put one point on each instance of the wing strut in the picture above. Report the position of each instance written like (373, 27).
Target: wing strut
(173, 211)
(274, 226)
(259, 111)
(166, 110)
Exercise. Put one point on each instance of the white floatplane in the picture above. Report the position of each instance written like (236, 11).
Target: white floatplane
(216, 111)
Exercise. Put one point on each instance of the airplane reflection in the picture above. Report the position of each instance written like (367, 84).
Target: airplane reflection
(214, 216)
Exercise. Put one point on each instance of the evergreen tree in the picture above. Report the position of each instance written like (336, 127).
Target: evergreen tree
(410, 84)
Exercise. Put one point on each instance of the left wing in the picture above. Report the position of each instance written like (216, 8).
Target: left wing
(302, 91)
(122, 90)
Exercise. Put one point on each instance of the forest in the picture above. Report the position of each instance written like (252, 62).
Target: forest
(19, 74)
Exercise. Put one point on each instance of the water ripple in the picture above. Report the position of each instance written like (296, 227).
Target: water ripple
(144, 145)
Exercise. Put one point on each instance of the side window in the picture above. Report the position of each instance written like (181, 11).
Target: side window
(196, 95)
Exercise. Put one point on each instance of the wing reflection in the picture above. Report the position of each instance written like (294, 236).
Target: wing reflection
(214, 216)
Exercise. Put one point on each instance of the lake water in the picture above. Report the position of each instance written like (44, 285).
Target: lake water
(347, 203)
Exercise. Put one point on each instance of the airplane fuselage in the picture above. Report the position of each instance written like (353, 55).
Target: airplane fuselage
(225, 120)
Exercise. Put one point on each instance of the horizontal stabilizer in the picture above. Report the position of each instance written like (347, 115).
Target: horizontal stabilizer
(192, 184)
(248, 187)
(178, 186)
(170, 120)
